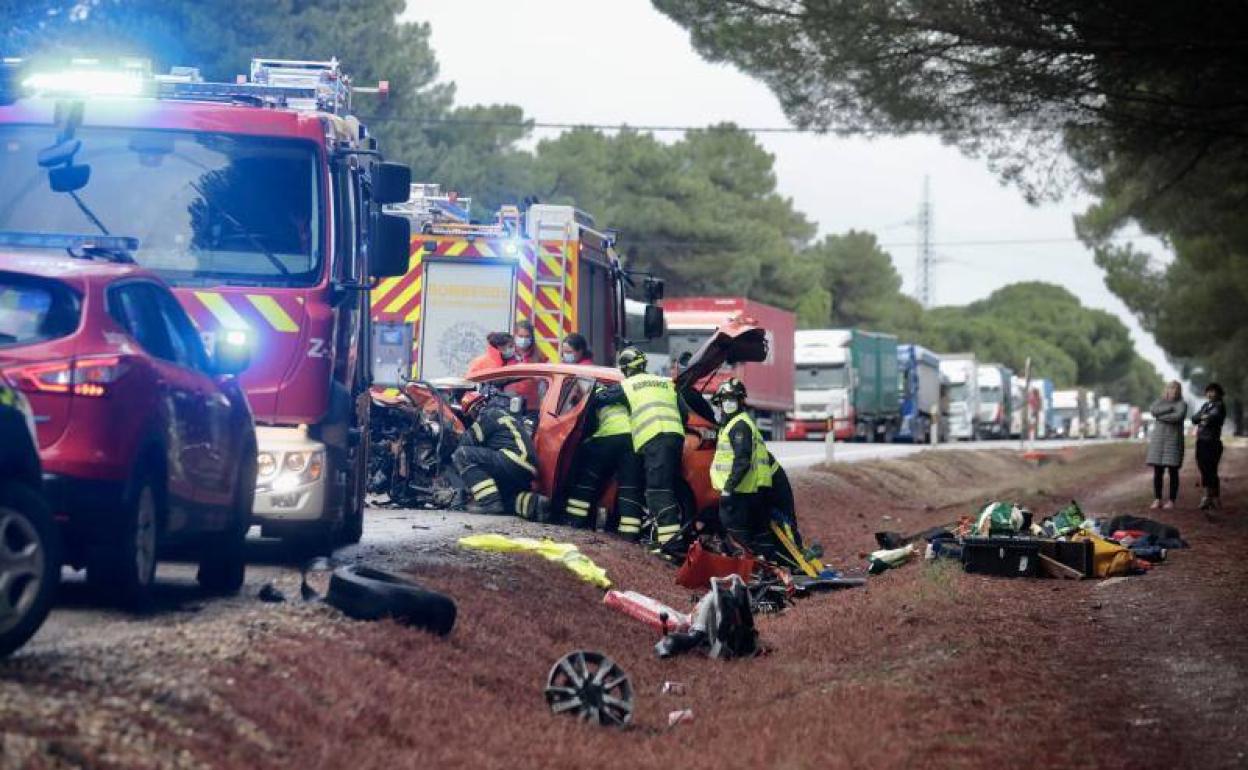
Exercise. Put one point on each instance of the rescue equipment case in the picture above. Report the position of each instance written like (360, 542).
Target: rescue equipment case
(1003, 556)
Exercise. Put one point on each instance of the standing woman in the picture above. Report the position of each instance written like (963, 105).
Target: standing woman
(575, 350)
(1165, 444)
(1209, 421)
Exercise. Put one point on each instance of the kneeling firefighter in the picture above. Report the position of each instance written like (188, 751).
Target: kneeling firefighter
(741, 468)
(607, 452)
(656, 416)
(496, 461)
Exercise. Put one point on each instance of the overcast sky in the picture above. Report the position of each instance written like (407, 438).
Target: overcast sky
(614, 61)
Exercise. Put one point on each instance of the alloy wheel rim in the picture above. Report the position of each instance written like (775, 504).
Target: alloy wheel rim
(22, 560)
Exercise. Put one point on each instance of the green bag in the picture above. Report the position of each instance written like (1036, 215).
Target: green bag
(999, 519)
(1068, 519)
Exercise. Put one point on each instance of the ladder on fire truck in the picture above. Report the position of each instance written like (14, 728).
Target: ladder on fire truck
(558, 284)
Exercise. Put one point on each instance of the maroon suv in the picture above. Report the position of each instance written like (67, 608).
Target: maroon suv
(147, 441)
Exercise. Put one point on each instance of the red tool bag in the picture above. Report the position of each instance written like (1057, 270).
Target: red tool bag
(701, 565)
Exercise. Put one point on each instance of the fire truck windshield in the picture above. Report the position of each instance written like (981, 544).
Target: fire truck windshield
(206, 207)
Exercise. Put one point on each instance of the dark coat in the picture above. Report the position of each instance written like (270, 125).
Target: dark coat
(1165, 443)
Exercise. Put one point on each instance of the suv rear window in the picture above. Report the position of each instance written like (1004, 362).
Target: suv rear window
(35, 310)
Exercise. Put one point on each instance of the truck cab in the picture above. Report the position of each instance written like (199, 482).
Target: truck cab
(995, 400)
(259, 202)
(823, 385)
(962, 372)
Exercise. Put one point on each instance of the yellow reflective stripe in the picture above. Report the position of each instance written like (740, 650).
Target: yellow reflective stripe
(526, 295)
(385, 287)
(413, 316)
(483, 248)
(519, 460)
(477, 432)
(402, 297)
(552, 265)
(456, 248)
(278, 318)
(629, 528)
(483, 485)
(521, 455)
(223, 311)
(578, 504)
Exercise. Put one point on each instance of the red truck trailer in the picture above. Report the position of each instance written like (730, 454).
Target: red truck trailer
(691, 320)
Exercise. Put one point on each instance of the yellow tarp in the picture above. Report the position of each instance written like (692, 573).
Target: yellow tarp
(565, 553)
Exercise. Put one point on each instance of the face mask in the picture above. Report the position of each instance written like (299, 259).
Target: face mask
(524, 342)
(570, 358)
(730, 406)
(508, 353)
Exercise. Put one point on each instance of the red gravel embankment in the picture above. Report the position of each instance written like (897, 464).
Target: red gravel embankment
(926, 667)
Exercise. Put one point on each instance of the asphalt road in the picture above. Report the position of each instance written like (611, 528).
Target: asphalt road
(803, 454)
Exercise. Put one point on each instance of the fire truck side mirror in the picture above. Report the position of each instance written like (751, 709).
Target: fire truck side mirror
(654, 325)
(388, 251)
(392, 183)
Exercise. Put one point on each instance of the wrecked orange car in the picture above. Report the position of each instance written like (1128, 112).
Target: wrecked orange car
(554, 396)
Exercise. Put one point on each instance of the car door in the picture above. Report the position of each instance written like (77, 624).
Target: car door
(217, 435)
(561, 430)
(179, 413)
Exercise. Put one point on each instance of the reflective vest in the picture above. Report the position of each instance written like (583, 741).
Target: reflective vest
(653, 407)
(759, 474)
(613, 420)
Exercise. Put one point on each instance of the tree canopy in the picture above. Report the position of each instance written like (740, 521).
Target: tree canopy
(703, 212)
(1142, 102)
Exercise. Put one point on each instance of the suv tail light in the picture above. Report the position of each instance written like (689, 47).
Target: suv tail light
(89, 377)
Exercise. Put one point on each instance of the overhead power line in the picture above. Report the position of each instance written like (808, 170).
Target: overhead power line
(668, 128)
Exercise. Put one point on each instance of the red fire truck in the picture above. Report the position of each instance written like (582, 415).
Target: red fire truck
(547, 264)
(260, 202)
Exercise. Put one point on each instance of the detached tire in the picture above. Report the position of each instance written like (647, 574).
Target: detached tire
(365, 593)
(30, 564)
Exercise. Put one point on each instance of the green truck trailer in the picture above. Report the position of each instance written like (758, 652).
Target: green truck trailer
(876, 392)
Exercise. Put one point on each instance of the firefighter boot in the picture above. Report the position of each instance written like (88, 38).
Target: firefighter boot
(533, 506)
(662, 503)
(482, 487)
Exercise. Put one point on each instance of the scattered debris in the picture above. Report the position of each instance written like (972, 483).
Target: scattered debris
(676, 717)
(652, 612)
(592, 687)
(672, 688)
(723, 623)
(366, 593)
(566, 554)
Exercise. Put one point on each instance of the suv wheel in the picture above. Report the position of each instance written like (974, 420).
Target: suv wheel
(30, 565)
(126, 567)
(223, 563)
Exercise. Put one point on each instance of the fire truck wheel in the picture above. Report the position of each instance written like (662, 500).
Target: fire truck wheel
(365, 593)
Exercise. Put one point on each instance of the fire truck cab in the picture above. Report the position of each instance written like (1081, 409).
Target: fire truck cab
(547, 264)
(260, 202)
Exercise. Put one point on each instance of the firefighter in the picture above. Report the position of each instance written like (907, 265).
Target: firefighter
(657, 424)
(609, 448)
(500, 351)
(496, 461)
(741, 468)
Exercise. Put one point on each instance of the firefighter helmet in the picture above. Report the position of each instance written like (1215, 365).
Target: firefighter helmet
(471, 400)
(729, 388)
(631, 361)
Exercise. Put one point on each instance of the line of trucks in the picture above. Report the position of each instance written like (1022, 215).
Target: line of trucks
(861, 385)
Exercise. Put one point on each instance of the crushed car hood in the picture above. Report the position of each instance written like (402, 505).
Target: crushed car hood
(740, 340)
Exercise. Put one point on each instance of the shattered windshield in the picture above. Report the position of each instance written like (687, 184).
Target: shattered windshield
(206, 207)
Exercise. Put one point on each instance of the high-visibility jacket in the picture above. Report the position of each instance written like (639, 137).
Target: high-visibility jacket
(653, 406)
(758, 473)
(613, 420)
